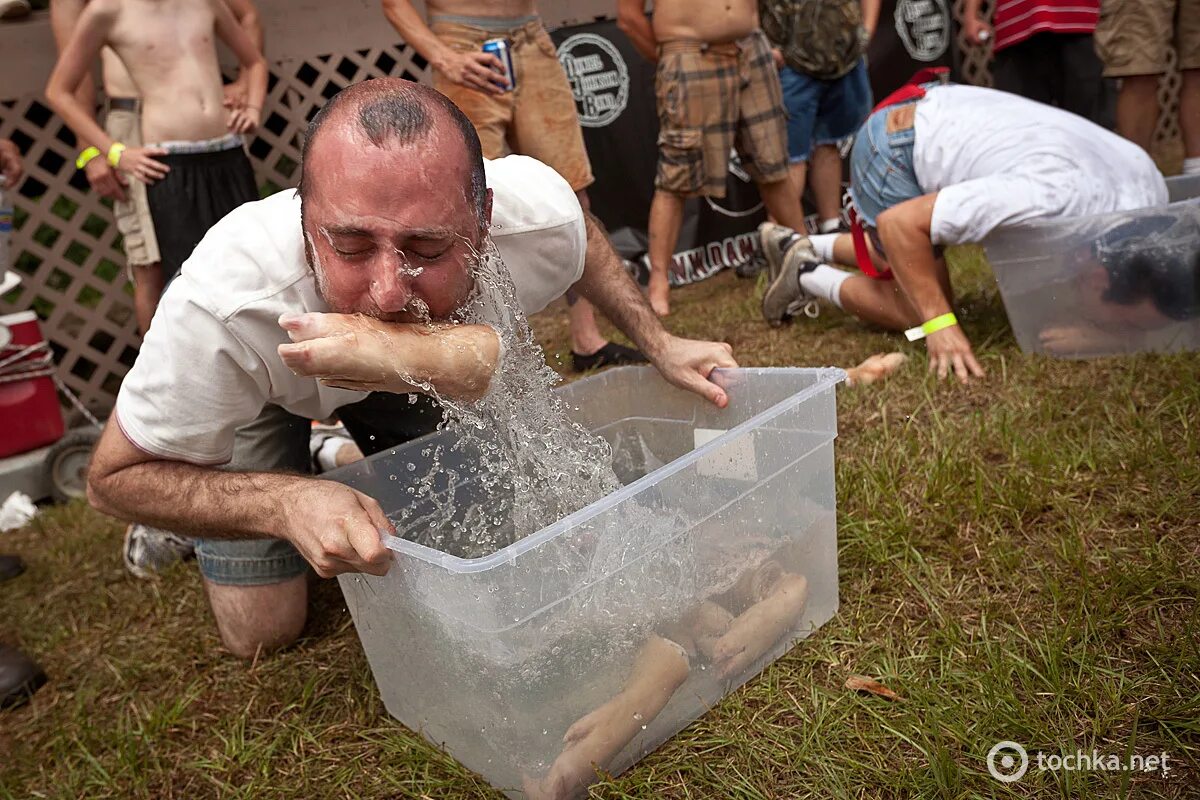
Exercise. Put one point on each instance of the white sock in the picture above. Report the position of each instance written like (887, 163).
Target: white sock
(1191, 166)
(829, 225)
(327, 455)
(823, 244)
(825, 282)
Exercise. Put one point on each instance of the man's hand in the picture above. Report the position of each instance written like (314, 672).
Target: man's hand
(244, 119)
(235, 94)
(977, 31)
(475, 70)
(335, 528)
(364, 354)
(949, 348)
(139, 162)
(10, 163)
(105, 180)
(777, 55)
(687, 363)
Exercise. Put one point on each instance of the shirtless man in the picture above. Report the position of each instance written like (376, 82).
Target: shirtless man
(196, 172)
(536, 119)
(717, 88)
(122, 122)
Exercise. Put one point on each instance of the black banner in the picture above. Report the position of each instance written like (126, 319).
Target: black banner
(614, 95)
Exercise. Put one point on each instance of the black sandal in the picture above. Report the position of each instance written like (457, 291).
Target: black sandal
(611, 355)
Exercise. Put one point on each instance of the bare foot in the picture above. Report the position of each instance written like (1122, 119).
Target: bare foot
(1066, 340)
(595, 738)
(875, 368)
(659, 292)
(757, 628)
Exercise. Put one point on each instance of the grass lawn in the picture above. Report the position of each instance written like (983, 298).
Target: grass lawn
(1020, 559)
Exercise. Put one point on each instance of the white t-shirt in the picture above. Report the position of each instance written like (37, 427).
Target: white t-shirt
(998, 159)
(209, 363)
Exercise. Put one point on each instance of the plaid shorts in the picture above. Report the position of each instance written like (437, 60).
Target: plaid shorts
(712, 98)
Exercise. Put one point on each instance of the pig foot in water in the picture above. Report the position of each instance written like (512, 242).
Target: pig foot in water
(875, 368)
(761, 625)
(595, 738)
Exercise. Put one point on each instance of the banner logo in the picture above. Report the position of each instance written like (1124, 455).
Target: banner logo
(923, 27)
(598, 76)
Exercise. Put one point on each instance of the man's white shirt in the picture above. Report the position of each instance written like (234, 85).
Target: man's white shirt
(209, 363)
(997, 159)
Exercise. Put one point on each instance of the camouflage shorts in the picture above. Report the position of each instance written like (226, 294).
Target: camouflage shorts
(712, 98)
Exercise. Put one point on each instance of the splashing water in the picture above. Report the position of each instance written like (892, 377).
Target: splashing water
(529, 462)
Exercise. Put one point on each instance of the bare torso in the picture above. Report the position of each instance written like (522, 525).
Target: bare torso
(710, 21)
(506, 9)
(169, 49)
(117, 80)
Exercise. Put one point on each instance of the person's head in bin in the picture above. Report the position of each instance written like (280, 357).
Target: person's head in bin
(1144, 273)
(385, 234)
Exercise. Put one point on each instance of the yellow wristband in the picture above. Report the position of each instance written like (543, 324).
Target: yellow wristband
(932, 326)
(86, 156)
(114, 154)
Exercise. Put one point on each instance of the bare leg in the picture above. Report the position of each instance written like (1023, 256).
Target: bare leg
(660, 667)
(799, 174)
(756, 629)
(1137, 109)
(348, 453)
(585, 335)
(827, 181)
(699, 631)
(253, 619)
(147, 290)
(666, 217)
(782, 199)
(1189, 112)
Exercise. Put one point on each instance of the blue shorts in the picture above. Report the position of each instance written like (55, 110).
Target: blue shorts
(823, 112)
(881, 166)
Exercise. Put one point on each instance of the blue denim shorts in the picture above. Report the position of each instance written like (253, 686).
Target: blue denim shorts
(823, 112)
(274, 442)
(881, 166)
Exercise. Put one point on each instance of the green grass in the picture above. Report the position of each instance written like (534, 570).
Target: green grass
(1019, 560)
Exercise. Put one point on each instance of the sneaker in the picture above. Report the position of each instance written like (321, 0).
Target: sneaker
(774, 239)
(785, 298)
(148, 551)
(14, 9)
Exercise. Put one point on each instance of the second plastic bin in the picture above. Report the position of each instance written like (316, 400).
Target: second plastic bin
(1127, 282)
(724, 515)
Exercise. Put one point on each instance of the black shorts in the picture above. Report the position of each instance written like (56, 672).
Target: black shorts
(200, 189)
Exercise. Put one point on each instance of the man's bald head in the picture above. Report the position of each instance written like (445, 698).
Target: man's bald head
(389, 112)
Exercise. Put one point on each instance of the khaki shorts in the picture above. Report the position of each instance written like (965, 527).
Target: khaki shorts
(1133, 35)
(539, 118)
(133, 216)
(712, 98)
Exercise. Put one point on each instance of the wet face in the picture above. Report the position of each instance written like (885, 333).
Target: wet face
(391, 232)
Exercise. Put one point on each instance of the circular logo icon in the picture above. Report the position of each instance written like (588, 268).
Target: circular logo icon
(924, 28)
(599, 78)
(1007, 762)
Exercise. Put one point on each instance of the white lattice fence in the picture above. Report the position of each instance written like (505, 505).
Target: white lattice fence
(67, 249)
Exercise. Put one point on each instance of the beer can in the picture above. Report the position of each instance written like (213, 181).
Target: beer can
(501, 49)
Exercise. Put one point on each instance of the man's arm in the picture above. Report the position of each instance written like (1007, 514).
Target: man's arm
(686, 363)
(253, 68)
(905, 231)
(870, 15)
(633, 22)
(974, 26)
(334, 527)
(480, 71)
(244, 11)
(105, 180)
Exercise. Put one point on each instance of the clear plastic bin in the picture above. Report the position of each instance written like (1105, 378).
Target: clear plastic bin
(724, 515)
(1105, 285)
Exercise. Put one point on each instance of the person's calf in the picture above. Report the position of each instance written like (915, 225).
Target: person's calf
(254, 620)
(147, 291)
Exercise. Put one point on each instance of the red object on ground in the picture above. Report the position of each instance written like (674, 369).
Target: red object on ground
(30, 416)
(1017, 20)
